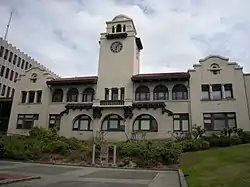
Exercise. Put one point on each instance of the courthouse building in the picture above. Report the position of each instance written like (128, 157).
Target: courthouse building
(120, 100)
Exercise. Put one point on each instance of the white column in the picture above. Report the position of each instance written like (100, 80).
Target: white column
(119, 93)
(223, 91)
(211, 91)
(170, 94)
(65, 97)
(35, 97)
(110, 93)
(27, 97)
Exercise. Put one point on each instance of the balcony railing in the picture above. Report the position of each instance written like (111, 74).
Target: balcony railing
(112, 102)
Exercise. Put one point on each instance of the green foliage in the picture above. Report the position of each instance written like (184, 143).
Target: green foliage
(198, 132)
(41, 141)
(194, 145)
(147, 153)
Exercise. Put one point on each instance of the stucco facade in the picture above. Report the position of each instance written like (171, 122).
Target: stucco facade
(120, 101)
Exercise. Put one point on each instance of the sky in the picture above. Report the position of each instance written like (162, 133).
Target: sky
(63, 34)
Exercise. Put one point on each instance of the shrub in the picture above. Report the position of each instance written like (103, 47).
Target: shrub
(146, 153)
(194, 145)
(21, 148)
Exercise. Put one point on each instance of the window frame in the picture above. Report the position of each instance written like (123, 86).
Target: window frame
(205, 88)
(140, 91)
(228, 88)
(181, 117)
(145, 117)
(57, 119)
(159, 89)
(183, 92)
(226, 117)
(56, 93)
(114, 117)
(24, 117)
(78, 120)
(217, 88)
(72, 92)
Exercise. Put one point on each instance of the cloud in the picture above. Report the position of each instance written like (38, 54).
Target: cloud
(64, 34)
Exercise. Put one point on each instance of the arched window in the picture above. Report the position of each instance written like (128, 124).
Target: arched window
(118, 28)
(88, 95)
(179, 92)
(113, 122)
(124, 28)
(113, 29)
(57, 95)
(145, 122)
(215, 68)
(72, 95)
(160, 92)
(82, 123)
(142, 93)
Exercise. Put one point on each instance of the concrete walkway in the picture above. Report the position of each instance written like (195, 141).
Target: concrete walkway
(71, 176)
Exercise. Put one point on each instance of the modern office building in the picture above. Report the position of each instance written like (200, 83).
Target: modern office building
(13, 63)
(120, 101)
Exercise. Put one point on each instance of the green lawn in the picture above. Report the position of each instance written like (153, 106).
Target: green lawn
(221, 167)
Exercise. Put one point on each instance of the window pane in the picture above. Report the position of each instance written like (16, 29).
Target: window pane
(231, 123)
(207, 115)
(75, 126)
(104, 125)
(177, 125)
(185, 125)
(219, 116)
(228, 94)
(145, 125)
(113, 124)
(136, 125)
(84, 124)
(219, 124)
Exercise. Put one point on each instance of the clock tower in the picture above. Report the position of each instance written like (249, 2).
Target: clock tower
(119, 59)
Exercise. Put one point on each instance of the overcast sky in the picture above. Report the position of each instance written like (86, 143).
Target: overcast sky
(64, 34)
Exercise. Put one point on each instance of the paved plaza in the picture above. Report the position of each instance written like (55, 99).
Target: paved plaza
(68, 176)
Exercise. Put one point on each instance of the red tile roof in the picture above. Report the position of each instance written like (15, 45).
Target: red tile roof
(162, 76)
(74, 80)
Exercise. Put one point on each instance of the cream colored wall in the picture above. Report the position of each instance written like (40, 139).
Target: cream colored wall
(24, 84)
(230, 74)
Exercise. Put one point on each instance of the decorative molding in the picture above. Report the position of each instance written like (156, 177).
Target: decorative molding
(76, 106)
(154, 105)
(214, 56)
(128, 112)
(97, 112)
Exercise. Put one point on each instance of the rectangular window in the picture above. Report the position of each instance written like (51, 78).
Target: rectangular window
(11, 75)
(6, 54)
(217, 92)
(114, 94)
(26, 121)
(1, 51)
(2, 71)
(219, 121)
(24, 95)
(228, 91)
(22, 65)
(19, 62)
(16, 76)
(8, 92)
(30, 66)
(14, 60)
(3, 90)
(181, 122)
(122, 93)
(106, 94)
(10, 57)
(7, 73)
(205, 91)
(54, 121)
(39, 96)
(12, 93)
(31, 96)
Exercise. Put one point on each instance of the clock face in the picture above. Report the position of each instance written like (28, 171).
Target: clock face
(116, 47)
